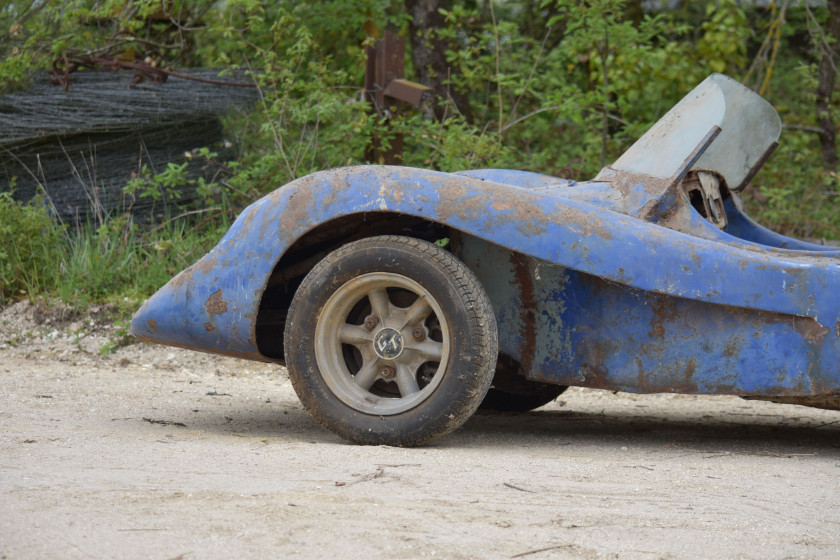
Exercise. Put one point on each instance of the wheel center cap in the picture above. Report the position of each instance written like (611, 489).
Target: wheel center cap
(388, 343)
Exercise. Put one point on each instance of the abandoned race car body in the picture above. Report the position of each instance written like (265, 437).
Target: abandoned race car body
(396, 297)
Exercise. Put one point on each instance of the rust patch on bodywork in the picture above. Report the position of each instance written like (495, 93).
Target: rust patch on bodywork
(215, 305)
(732, 349)
(678, 378)
(207, 265)
(527, 317)
(593, 373)
(524, 210)
(596, 377)
(663, 310)
(152, 324)
(808, 328)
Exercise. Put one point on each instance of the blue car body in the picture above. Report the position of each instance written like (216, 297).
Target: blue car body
(649, 278)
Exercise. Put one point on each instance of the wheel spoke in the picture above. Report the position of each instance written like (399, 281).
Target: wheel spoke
(354, 334)
(380, 303)
(428, 350)
(407, 380)
(418, 311)
(366, 377)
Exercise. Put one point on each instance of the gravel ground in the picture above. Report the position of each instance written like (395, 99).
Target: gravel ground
(154, 452)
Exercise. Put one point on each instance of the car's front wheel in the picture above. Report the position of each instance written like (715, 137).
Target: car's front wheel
(391, 340)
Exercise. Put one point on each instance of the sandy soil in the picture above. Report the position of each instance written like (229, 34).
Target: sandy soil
(151, 452)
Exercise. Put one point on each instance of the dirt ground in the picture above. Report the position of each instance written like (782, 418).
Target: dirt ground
(158, 453)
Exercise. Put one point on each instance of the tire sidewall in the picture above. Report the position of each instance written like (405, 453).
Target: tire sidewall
(465, 379)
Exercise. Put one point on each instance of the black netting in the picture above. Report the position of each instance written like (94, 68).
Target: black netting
(83, 145)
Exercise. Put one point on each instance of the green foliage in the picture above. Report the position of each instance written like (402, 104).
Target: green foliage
(726, 32)
(30, 248)
(41, 32)
(166, 184)
(241, 33)
(112, 261)
(307, 118)
(572, 108)
(450, 146)
(793, 193)
(555, 86)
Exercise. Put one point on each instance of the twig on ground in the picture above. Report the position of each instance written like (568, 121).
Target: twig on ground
(164, 422)
(521, 554)
(380, 470)
(515, 487)
(784, 455)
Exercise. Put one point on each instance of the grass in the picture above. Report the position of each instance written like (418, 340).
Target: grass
(115, 262)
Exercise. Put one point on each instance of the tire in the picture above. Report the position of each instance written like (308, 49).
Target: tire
(391, 340)
(512, 392)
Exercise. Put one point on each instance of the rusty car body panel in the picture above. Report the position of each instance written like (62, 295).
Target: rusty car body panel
(649, 278)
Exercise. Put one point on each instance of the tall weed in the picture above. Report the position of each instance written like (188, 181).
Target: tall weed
(111, 261)
(31, 248)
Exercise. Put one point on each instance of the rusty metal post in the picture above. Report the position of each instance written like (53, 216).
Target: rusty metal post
(385, 63)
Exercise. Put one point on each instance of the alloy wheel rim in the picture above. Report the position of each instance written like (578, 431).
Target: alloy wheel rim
(382, 343)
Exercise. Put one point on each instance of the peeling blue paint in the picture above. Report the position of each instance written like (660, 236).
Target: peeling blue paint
(618, 283)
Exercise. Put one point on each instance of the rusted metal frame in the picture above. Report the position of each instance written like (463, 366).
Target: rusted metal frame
(385, 63)
(407, 91)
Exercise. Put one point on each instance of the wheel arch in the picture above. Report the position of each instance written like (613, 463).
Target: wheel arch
(309, 249)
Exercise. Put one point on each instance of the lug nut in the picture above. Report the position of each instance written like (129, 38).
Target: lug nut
(419, 333)
(371, 322)
(387, 372)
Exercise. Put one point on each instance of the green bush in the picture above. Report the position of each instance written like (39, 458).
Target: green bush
(113, 261)
(31, 248)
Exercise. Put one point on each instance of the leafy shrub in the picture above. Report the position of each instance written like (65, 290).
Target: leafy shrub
(31, 248)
